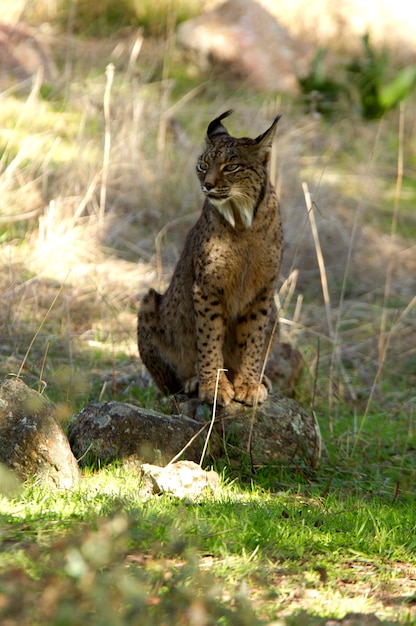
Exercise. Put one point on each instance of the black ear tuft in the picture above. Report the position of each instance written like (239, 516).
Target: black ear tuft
(216, 129)
(266, 138)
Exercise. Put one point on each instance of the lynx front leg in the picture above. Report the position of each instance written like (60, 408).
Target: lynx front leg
(251, 336)
(210, 331)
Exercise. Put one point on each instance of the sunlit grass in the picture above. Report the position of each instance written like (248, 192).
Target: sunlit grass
(278, 551)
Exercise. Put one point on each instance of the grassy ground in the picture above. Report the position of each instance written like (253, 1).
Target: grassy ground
(98, 190)
(248, 555)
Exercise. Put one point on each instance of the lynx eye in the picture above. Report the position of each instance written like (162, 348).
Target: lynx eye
(202, 167)
(230, 168)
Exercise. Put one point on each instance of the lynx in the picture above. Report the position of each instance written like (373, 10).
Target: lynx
(218, 315)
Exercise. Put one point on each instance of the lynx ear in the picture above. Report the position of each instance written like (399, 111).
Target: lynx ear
(265, 140)
(216, 129)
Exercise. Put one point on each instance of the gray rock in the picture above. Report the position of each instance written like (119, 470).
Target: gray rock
(248, 40)
(278, 431)
(106, 431)
(183, 479)
(32, 444)
(284, 368)
(23, 54)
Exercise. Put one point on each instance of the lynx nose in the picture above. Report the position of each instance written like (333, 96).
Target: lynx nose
(207, 187)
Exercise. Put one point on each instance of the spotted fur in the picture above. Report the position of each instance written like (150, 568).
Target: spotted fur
(218, 312)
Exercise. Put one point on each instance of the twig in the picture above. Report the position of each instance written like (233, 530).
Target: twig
(382, 346)
(318, 438)
(87, 197)
(102, 392)
(109, 72)
(19, 218)
(69, 335)
(85, 453)
(45, 356)
(134, 53)
(325, 292)
(214, 408)
(185, 99)
(158, 241)
(320, 257)
(166, 85)
(315, 379)
(40, 327)
(256, 402)
(192, 439)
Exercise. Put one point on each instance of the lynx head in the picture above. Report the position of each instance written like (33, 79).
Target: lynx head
(233, 172)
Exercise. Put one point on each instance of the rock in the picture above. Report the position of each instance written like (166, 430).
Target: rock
(32, 444)
(106, 431)
(248, 40)
(285, 367)
(361, 619)
(183, 479)
(279, 430)
(22, 55)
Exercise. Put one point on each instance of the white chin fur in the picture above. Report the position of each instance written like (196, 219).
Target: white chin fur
(225, 208)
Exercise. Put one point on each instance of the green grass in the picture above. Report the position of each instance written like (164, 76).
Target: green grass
(243, 555)
(281, 542)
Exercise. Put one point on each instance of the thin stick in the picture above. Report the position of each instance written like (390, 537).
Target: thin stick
(40, 327)
(109, 72)
(336, 356)
(325, 292)
(45, 356)
(192, 439)
(318, 439)
(320, 257)
(19, 218)
(315, 378)
(382, 346)
(134, 53)
(158, 241)
(166, 87)
(87, 197)
(256, 403)
(69, 335)
(85, 453)
(214, 408)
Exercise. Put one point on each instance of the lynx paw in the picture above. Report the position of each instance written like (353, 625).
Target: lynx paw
(225, 392)
(191, 385)
(250, 394)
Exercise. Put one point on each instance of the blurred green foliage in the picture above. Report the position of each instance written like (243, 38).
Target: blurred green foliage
(366, 82)
(370, 73)
(321, 93)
